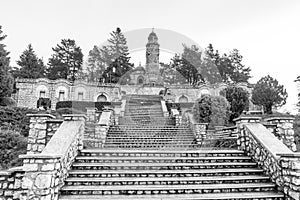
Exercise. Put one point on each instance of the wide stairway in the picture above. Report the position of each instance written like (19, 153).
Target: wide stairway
(147, 157)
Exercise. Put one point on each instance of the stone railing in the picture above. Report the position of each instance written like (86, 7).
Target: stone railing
(123, 106)
(52, 126)
(11, 183)
(199, 129)
(283, 130)
(45, 172)
(97, 139)
(177, 117)
(37, 138)
(164, 109)
(275, 158)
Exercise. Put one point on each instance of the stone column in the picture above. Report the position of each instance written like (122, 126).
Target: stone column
(37, 132)
(284, 130)
(242, 140)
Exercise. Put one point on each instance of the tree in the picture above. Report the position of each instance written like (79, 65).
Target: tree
(230, 66)
(170, 75)
(211, 109)
(116, 57)
(6, 80)
(238, 99)
(66, 61)
(30, 65)
(268, 92)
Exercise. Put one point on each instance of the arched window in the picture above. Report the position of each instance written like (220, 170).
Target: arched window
(101, 98)
(140, 80)
(183, 99)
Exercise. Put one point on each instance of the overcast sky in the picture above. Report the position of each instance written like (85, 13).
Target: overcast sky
(267, 32)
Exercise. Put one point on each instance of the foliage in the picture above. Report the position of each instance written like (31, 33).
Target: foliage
(30, 65)
(12, 144)
(268, 93)
(66, 61)
(111, 61)
(170, 75)
(297, 131)
(6, 80)
(230, 66)
(15, 118)
(211, 109)
(238, 99)
(81, 105)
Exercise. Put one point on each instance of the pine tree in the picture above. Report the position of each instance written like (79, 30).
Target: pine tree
(6, 80)
(30, 65)
(66, 61)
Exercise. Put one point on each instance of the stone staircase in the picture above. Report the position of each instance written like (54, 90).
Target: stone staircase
(146, 158)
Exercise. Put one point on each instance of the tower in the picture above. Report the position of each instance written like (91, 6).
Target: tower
(152, 59)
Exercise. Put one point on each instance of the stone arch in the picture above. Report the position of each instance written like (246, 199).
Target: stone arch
(42, 91)
(60, 89)
(80, 94)
(140, 80)
(183, 99)
(102, 98)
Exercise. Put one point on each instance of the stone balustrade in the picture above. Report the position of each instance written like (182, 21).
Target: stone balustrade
(164, 109)
(11, 183)
(37, 138)
(175, 114)
(275, 158)
(199, 129)
(52, 126)
(101, 129)
(45, 172)
(283, 130)
(91, 114)
(123, 106)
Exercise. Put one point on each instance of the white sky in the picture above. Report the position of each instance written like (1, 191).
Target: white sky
(267, 32)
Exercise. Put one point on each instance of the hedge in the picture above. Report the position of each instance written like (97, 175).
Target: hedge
(82, 105)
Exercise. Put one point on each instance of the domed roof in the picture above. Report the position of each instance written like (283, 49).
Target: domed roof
(152, 37)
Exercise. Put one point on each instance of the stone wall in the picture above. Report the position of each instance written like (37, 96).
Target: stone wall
(11, 184)
(276, 159)
(45, 172)
(199, 129)
(283, 130)
(52, 126)
(37, 138)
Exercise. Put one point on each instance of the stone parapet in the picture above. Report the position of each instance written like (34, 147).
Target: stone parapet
(177, 117)
(11, 183)
(37, 138)
(283, 130)
(164, 109)
(275, 158)
(91, 114)
(52, 126)
(199, 129)
(45, 172)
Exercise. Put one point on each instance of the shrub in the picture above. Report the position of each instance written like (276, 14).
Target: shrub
(238, 99)
(12, 144)
(15, 118)
(81, 105)
(211, 109)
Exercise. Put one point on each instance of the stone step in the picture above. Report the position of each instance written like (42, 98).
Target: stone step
(161, 166)
(165, 189)
(166, 180)
(163, 159)
(166, 173)
(157, 147)
(193, 153)
(208, 196)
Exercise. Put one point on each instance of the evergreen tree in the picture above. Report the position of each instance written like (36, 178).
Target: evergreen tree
(66, 61)
(30, 65)
(230, 66)
(268, 92)
(116, 57)
(6, 80)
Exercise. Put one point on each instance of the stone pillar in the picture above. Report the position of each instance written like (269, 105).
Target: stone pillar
(100, 135)
(37, 132)
(91, 114)
(284, 130)
(200, 132)
(290, 166)
(242, 140)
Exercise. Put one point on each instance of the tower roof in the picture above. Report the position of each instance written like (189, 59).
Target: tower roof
(152, 38)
